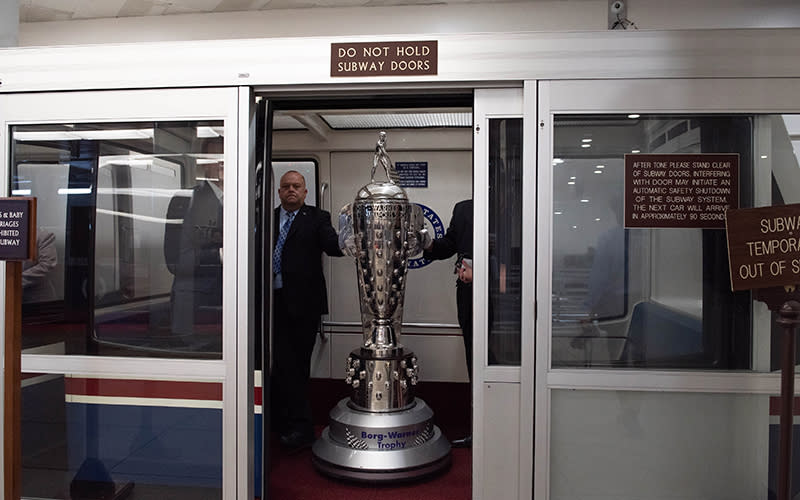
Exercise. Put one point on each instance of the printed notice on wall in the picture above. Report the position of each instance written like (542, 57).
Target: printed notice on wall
(15, 235)
(412, 174)
(764, 246)
(680, 190)
(359, 59)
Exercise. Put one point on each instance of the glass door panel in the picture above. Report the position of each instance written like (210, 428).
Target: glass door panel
(103, 437)
(130, 325)
(619, 299)
(129, 237)
(505, 241)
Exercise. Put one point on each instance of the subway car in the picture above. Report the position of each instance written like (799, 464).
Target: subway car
(609, 359)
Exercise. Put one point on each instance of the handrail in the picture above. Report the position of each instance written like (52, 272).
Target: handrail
(405, 325)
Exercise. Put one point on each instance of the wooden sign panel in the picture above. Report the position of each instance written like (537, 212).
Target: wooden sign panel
(17, 228)
(680, 190)
(764, 246)
(385, 58)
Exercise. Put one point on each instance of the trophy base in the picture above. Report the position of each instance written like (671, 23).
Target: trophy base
(381, 447)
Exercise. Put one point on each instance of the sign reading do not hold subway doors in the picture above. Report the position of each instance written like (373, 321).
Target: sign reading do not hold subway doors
(384, 58)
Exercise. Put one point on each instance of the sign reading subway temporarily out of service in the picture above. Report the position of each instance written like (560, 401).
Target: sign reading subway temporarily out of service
(764, 246)
(680, 190)
(384, 58)
(17, 240)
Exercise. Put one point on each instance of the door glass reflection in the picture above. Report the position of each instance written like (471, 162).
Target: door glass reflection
(641, 297)
(505, 241)
(129, 237)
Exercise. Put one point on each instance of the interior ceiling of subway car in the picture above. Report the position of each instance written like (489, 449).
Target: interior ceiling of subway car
(66, 10)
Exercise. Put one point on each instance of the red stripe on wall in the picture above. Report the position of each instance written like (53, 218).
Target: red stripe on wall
(163, 389)
(775, 405)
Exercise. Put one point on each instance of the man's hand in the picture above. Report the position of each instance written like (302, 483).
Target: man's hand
(465, 271)
(426, 242)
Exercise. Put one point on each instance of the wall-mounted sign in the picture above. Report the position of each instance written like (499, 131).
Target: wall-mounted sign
(412, 174)
(680, 190)
(384, 58)
(764, 246)
(17, 239)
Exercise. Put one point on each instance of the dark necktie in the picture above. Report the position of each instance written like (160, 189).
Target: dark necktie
(276, 254)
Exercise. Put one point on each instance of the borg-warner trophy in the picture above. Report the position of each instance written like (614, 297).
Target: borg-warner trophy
(381, 432)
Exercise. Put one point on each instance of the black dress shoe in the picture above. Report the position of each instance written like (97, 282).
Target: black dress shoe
(296, 441)
(465, 442)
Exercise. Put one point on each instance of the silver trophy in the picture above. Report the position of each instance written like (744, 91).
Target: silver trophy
(381, 432)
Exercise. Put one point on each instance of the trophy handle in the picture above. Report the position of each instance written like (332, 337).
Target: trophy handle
(418, 236)
(347, 242)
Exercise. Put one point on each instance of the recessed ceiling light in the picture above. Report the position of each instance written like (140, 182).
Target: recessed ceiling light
(556, 161)
(586, 145)
(572, 177)
(586, 140)
(601, 166)
(597, 218)
(598, 171)
(574, 227)
(635, 151)
(633, 116)
(571, 183)
(558, 212)
(763, 157)
(584, 200)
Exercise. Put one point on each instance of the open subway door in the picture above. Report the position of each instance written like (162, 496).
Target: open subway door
(429, 141)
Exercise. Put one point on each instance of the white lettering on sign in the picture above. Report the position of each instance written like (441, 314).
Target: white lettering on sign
(679, 190)
(360, 67)
(384, 58)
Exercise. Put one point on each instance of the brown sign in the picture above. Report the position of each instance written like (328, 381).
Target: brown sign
(764, 246)
(384, 58)
(680, 190)
(17, 239)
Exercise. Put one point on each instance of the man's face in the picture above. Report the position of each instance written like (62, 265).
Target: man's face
(292, 191)
(215, 170)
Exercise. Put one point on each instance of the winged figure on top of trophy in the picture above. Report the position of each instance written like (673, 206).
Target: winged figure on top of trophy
(381, 432)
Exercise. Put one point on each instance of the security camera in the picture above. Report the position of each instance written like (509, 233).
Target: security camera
(617, 7)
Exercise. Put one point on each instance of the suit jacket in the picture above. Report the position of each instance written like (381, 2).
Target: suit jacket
(458, 238)
(310, 234)
(191, 249)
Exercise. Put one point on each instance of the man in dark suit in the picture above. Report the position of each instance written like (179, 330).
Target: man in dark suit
(302, 233)
(458, 240)
(193, 253)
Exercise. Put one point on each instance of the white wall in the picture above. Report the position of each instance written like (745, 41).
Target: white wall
(539, 15)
